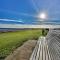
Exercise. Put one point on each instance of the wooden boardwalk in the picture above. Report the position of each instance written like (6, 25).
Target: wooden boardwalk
(41, 51)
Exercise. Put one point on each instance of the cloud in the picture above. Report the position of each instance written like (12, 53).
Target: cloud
(11, 20)
(27, 26)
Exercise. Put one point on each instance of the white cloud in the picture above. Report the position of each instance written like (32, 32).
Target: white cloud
(11, 20)
(27, 26)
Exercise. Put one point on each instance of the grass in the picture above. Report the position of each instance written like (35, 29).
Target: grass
(11, 40)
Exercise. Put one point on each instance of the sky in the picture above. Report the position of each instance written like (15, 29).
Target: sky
(25, 11)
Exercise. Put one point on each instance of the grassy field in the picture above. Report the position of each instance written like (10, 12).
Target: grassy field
(11, 40)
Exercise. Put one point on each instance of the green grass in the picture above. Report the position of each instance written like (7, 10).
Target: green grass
(11, 40)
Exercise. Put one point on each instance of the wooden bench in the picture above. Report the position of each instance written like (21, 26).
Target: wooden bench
(48, 48)
(41, 51)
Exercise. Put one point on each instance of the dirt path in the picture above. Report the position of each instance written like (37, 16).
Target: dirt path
(23, 52)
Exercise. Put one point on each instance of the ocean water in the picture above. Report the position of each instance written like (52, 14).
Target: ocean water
(11, 29)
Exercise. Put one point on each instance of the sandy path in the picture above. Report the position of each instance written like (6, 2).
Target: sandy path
(24, 52)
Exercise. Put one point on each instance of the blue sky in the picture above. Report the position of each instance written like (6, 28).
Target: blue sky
(24, 11)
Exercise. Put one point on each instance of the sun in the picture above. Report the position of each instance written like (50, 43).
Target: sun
(42, 16)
